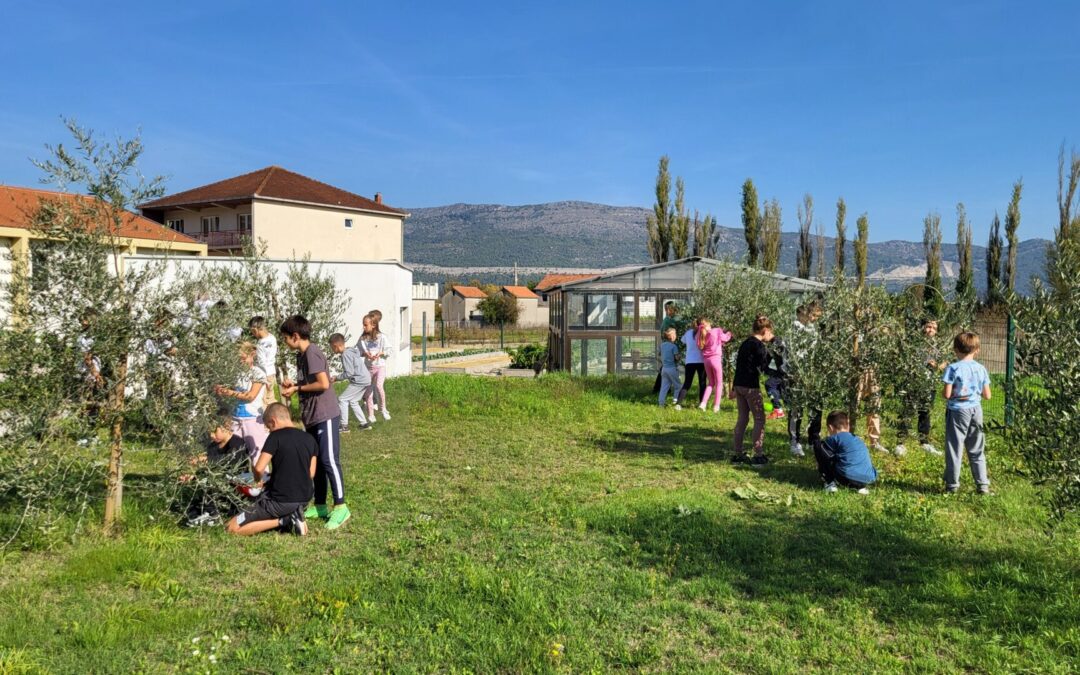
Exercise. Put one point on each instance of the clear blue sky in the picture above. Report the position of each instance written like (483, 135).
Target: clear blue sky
(899, 107)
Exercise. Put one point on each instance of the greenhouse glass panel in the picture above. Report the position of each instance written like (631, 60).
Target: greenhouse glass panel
(576, 310)
(626, 307)
(602, 311)
(636, 355)
(647, 313)
(588, 357)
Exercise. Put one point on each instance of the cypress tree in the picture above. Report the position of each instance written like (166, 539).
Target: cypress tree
(933, 300)
(1012, 224)
(841, 235)
(993, 264)
(751, 221)
(805, 257)
(862, 248)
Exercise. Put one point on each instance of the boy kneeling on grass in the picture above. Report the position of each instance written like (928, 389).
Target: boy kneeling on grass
(290, 487)
(842, 458)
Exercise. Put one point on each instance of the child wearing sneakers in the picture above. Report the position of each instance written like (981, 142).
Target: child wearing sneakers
(842, 458)
(281, 505)
(966, 383)
(669, 369)
(374, 345)
(356, 374)
(750, 361)
(321, 416)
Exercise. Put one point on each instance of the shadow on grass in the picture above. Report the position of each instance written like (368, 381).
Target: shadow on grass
(905, 572)
(695, 444)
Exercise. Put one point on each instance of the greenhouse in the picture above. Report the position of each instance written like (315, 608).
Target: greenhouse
(611, 323)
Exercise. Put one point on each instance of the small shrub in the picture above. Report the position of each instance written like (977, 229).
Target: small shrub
(528, 356)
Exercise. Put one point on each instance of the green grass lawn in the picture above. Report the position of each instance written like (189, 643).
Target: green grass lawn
(568, 525)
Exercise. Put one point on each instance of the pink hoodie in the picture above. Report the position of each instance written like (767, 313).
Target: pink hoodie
(714, 342)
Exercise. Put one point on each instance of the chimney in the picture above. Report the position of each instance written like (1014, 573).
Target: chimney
(378, 198)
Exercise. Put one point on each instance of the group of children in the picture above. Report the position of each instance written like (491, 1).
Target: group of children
(842, 458)
(292, 467)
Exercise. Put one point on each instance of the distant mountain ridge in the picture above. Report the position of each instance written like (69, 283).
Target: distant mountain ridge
(574, 234)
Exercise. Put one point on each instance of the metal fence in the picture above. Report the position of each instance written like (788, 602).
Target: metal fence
(997, 353)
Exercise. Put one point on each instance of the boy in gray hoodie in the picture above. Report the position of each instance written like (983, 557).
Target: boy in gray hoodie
(355, 372)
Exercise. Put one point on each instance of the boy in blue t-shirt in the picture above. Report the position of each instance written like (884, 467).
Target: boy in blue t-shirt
(669, 368)
(842, 458)
(966, 383)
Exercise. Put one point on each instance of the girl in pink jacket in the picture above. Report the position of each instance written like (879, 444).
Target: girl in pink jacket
(711, 342)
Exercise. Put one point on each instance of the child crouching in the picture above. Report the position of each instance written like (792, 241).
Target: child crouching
(290, 487)
(842, 458)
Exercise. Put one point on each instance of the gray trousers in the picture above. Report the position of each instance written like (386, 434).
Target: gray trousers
(964, 431)
(669, 381)
(351, 397)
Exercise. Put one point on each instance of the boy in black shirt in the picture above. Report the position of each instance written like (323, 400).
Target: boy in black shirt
(751, 360)
(289, 488)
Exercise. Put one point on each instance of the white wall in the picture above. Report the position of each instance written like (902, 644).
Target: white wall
(386, 286)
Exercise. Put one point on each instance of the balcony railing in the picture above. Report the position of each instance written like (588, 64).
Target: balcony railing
(219, 240)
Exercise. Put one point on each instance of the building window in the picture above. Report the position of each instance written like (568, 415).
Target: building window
(211, 224)
(348, 223)
(243, 222)
(177, 225)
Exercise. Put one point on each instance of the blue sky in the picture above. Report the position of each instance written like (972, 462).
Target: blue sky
(901, 108)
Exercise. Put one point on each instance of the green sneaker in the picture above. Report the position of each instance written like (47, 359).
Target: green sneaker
(338, 517)
(317, 511)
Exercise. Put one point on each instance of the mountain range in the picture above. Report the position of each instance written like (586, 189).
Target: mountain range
(584, 235)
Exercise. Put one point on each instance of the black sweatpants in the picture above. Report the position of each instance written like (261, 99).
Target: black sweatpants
(328, 469)
(794, 426)
(691, 370)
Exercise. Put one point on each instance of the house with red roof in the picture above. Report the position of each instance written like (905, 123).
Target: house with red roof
(460, 304)
(553, 279)
(293, 214)
(136, 235)
(530, 311)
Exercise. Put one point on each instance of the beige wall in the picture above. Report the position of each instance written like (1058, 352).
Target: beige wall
(530, 313)
(294, 230)
(419, 306)
(457, 308)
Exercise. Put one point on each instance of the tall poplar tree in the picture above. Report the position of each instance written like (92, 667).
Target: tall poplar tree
(771, 228)
(805, 257)
(659, 223)
(1068, 222)
(993, 264)
(1012, 224)
(933, 301)
(680, 228)
(965, 280)
(751, 221)
(841, 235)
(705, 236)
(862, 245)
(820, 251)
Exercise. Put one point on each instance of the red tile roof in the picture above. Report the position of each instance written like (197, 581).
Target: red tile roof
(469, 292)
(552, 280)
(18, 205)
(273, 182)
(521, 292)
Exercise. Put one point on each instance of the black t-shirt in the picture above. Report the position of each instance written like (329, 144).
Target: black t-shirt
(752, 358)
(291, 450)
(233, 453)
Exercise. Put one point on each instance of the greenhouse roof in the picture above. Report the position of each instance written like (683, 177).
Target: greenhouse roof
(682, 274)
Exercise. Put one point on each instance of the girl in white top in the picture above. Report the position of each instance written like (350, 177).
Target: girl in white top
(373, 345)
(248, 414)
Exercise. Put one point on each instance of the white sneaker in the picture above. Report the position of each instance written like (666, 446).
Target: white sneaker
(797, 450)
(878, 447)
(863, 491)
(900, 450)
(929, 447)
(678, 407)
(701, 407)
(386, 414)
(830, 488)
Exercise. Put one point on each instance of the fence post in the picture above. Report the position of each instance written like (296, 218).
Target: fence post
(442, 332)
(423, 342)
(1010, 358)
(502, 341)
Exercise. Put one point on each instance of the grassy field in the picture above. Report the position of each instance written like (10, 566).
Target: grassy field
(567, 525)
